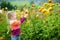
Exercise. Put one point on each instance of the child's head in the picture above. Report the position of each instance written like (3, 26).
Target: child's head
(11, 15)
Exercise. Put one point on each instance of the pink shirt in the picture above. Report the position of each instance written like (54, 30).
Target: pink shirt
(14, 24)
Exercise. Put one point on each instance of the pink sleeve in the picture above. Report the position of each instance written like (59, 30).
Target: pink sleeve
(22, 20)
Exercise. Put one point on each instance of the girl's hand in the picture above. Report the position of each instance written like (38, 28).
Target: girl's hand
(25, 15)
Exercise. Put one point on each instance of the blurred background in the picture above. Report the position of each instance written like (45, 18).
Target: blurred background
(19, 3)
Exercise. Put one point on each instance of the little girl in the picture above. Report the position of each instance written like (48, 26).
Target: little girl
(15, 25)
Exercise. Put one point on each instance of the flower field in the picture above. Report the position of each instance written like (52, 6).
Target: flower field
(43, 22)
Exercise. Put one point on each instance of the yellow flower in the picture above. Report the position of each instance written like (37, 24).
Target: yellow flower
(37, 16)
(33, 5)
(46, 12)
(45, 4)
(51, 4)
(50, 8)
(27, 11)
(50, 1)
(41, 9)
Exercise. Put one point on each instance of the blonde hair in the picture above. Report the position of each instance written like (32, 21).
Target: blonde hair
(10, 13)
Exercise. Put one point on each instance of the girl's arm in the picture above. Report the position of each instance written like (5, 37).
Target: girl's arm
(23, 18)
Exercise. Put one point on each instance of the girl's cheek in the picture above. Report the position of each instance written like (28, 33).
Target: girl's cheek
(14, 17)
